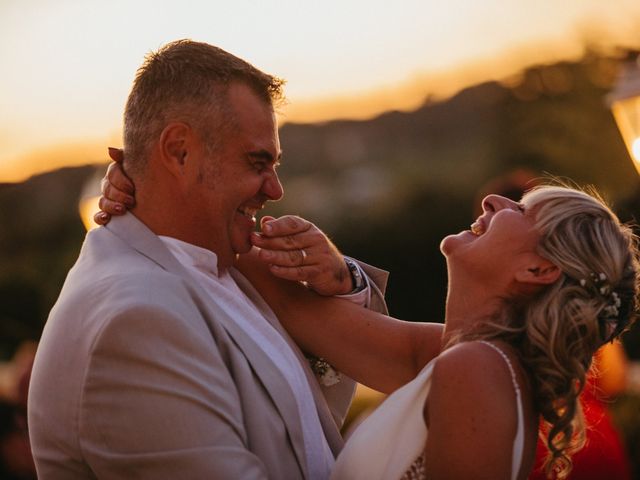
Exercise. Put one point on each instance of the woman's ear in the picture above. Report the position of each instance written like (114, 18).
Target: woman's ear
(538, 271)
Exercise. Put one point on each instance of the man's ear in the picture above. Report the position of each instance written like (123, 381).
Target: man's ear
(176, 142)
(538, 271)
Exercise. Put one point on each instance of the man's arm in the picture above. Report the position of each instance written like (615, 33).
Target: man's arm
(376, 280)
(321, 267)
(159, 402)
(295, 249)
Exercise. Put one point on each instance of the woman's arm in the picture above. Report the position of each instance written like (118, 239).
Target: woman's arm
(376, 350)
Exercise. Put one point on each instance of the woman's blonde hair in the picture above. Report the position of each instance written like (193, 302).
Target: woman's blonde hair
(557, 331)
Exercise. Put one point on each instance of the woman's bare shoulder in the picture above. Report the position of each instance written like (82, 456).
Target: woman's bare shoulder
(468, 359)
(474, 374)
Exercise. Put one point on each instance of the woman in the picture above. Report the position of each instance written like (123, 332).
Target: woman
(535, 288)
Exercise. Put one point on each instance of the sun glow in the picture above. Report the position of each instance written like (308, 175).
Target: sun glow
(635, 149)
(87, 208)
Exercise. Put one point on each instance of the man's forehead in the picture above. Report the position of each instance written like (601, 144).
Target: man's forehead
(242, 95)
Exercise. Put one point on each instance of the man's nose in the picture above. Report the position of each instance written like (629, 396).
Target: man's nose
(272, 187)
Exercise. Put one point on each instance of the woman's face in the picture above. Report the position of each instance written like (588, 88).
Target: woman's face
(497, 243)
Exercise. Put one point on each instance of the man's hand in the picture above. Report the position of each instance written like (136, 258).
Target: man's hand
(117, 190)
(296, 249)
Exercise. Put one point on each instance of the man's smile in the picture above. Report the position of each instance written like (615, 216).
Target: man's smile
(249, 212)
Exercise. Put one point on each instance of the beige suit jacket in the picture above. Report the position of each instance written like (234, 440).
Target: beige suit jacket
(139, 374)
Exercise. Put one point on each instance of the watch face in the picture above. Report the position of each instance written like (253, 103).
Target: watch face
(356, 276)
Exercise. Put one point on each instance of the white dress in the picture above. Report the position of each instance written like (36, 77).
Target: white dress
(390, 442)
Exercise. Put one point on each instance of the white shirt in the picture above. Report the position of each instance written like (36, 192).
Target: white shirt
(202, 264)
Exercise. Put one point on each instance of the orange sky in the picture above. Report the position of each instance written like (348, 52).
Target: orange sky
(68, 64)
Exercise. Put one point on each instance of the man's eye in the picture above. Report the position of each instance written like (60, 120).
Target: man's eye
(260, 166)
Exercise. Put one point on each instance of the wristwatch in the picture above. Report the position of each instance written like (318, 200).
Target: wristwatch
(357, 279)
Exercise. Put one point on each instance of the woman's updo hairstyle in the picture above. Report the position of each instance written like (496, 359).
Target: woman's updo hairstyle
(592, 302)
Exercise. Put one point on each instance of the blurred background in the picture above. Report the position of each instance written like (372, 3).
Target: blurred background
(399, 117)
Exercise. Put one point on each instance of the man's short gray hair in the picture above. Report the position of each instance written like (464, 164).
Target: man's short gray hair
(186, 81)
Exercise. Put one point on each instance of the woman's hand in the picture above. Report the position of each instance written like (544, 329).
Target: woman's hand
(117, 190)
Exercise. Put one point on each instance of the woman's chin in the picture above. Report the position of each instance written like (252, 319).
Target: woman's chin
(450, 243)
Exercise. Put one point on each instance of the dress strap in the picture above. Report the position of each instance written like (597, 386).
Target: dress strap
(518, 443)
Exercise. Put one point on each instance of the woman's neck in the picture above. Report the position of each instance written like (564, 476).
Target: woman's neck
(468, 306)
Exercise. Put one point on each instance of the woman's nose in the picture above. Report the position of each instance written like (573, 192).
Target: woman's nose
(493, 203)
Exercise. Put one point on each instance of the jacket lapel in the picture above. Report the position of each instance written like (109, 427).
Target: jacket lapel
(327, 421)
(133, 232)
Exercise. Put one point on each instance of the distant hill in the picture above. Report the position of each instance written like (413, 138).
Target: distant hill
(387, 189)
(554, 119)
(40, 236)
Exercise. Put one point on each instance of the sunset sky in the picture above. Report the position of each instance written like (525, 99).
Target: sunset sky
(67, 65)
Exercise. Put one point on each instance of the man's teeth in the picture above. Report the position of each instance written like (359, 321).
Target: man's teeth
(248, 212)
(477, 229)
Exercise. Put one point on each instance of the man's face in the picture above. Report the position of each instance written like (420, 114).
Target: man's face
(239, 177)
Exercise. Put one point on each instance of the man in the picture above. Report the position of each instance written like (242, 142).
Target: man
(159, 360)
